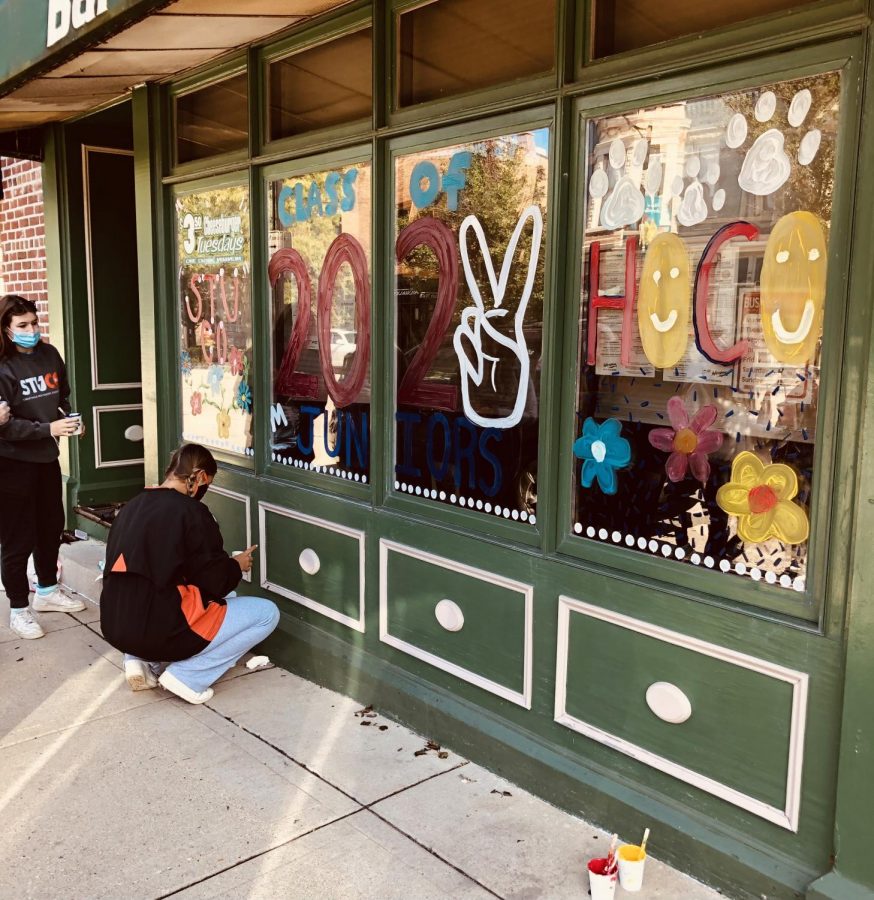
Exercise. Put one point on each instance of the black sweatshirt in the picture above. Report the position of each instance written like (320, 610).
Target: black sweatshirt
(166, 574)
(34, 385)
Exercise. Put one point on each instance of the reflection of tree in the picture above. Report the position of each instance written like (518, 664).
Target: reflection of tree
(499, 185)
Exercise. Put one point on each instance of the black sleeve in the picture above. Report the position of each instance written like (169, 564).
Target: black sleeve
(63, 385)
(17, 428)
(207, 565)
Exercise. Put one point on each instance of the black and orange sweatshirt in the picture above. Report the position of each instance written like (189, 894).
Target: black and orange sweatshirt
(35, 386)
(165, 576)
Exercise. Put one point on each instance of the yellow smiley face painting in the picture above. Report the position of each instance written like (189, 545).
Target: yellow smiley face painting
(793, 288)
(664, 301)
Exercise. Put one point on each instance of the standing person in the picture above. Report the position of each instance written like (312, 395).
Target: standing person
(33, 384)
(165, 601)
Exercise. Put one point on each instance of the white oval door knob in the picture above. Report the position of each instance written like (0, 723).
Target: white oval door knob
(668, 702)
(309, 561)
(449, 615)
(134, 433)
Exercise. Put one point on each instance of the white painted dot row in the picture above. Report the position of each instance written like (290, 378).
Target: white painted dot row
(696, 559)
(469, 502)
(336, 471)
(218, 442)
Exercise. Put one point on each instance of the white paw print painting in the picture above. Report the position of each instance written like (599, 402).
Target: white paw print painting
(624, 205)
(767, 166)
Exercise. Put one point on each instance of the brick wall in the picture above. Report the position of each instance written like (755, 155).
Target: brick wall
(22, 234)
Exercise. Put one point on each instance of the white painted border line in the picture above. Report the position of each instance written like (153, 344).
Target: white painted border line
(786, 817)
(520, 699)
(263, 509)
(99, 462)
(244, 499)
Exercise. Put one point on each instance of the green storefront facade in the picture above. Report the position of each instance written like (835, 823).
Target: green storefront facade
(534, 341)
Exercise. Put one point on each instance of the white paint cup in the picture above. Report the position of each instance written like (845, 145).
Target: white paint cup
(78, 419)
(631, 862)
(601, 886)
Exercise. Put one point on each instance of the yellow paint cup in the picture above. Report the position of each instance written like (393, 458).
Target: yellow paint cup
(631, 860)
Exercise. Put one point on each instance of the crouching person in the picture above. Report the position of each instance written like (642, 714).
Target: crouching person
(166, 579)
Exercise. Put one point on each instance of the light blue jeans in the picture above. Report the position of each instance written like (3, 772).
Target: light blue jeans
(248, 621)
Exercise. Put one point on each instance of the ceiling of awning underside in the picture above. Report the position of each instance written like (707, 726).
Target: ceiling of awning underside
(180, 36)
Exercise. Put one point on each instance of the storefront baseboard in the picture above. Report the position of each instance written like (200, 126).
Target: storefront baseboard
(835, 886)
(719, 857)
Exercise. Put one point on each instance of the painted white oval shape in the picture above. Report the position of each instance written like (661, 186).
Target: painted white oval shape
(134, 433)
(449, 615)
(668, 702)
(309, 561)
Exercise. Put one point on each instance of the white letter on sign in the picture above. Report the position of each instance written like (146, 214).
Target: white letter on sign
(83, 12)
(59, 21)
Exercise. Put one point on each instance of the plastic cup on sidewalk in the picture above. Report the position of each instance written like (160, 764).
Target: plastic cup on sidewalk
(601, 885)
(631, 861)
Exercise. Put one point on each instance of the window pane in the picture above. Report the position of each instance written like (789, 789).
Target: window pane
(470, 244)
(631, 24)
(450, 47)
(212, 241)
(325, 85)
(319, 273)
(213, 120)
(707, 225)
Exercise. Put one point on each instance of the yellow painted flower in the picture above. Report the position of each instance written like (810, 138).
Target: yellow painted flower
(761, 498)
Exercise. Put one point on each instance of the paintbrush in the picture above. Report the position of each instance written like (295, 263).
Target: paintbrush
(643, 842)
(611, 857)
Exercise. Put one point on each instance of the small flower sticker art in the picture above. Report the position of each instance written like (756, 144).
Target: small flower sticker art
(243, 398)
(603, 450)
(196, 401)
(761, 497)
(235, 360)
(185, 363)
(688, 442)
(214, 376)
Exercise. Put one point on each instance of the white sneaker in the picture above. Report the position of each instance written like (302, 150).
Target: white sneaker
(139, 676)
(171, 683)
(22, 622)
(56, 602)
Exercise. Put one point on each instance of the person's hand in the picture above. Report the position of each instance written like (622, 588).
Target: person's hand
(245, 558)
(5, 413)
(64, 427)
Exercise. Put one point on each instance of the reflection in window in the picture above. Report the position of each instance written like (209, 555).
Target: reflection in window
(319, 272)
(324, 85)
(212, 252)
(449, 47)
(621, 25)
(213, 119)
(470, 248)
(705, 252)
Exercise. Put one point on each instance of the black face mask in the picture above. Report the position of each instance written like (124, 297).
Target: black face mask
(199, 493)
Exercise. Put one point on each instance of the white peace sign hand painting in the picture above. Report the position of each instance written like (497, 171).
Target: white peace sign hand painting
(477, 325)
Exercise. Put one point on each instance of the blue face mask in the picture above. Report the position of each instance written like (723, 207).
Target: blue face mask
(28, 341)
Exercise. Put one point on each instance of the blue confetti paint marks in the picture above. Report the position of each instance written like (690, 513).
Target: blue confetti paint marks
(729, 414)
(768, 426)
(660, 416)
(632, 381)
(676, 371)
(626, 398)
(802, 406)
(780, 413)
(804, 433)
(677, 388)
(716, 393)
(645, 403)
(769, 374)
(657, 384)
(695, 396)
(800, 377)
(737, 437)
(775, 391)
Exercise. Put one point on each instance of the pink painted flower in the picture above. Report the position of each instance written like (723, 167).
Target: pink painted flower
(688, 442)
(196, 403)
(236, 361)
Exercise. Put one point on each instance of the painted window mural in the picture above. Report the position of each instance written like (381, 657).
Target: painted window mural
(212, 238)
(470, 247)
(319, 274)
(705, 249)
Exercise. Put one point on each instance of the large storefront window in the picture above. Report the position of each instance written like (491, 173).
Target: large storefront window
(705, 247)
(319, 273)
(212, 249)
(470, 250)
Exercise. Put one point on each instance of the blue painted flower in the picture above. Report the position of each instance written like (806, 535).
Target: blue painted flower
(214, 378)
(603, 451)
(244, 397)
(185, 362)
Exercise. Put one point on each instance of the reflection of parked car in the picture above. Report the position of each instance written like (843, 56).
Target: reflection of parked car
(343, 344)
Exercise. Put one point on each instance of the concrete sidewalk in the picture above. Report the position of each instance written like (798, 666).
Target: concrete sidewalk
(276, 788)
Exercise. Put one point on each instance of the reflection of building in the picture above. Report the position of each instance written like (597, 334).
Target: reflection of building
(596, 621)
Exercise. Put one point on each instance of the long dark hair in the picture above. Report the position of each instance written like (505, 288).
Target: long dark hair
(12, 305)
(188, 460)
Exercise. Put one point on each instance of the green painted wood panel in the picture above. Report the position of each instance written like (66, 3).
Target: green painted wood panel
(335, 589)
(492, 641)
(109, 428)
(738, 733)
(231, 511)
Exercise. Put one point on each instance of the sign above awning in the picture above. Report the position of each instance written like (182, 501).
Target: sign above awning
(60, 58)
